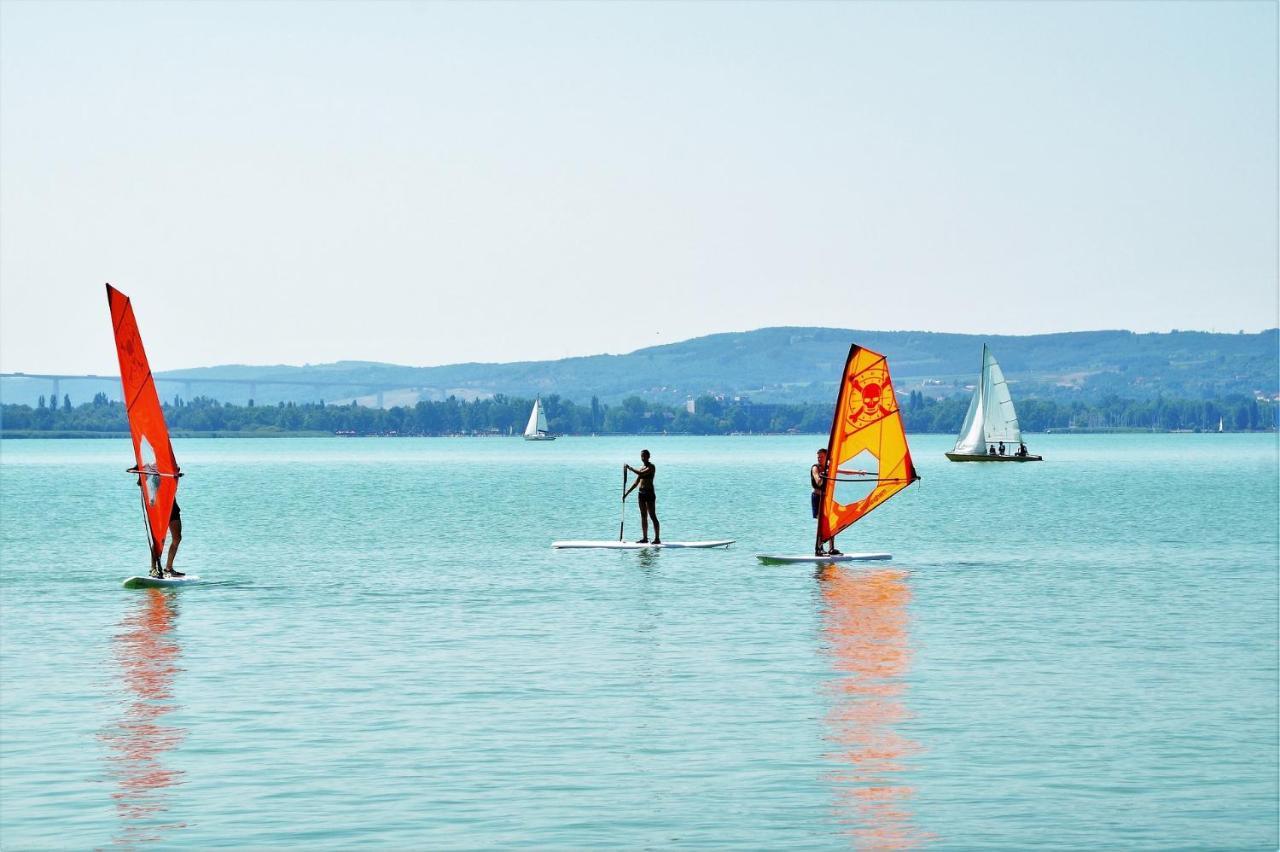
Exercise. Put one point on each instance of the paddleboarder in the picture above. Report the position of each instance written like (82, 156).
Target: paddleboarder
(818, 480)
(645, 497)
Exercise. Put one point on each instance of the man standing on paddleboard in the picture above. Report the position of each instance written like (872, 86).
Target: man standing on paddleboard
(647, 498)
(818, 479)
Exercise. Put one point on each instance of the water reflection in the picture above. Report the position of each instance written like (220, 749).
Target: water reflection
(865, 623)
(147, 654)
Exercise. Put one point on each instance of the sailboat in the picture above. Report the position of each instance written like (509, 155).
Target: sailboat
(155, 466)
(990, 421)
(537, 428)
(1219, 424)
(868, 460)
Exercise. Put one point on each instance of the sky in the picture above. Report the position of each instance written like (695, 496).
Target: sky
(431, 183)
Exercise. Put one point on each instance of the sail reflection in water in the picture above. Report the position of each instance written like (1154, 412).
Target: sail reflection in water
(865, 626)
(148, 657)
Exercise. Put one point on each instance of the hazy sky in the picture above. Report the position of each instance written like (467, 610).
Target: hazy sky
(425, 183)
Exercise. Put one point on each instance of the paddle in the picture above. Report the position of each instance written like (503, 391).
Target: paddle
(622, 519)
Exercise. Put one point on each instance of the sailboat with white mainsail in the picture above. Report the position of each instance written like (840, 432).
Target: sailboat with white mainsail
(990, 431)
(537, 428)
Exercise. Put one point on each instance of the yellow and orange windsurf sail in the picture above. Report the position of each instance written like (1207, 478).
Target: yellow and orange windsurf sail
(868, 460)
(156, 467)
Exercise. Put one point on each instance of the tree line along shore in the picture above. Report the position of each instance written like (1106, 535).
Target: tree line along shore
(501, 415)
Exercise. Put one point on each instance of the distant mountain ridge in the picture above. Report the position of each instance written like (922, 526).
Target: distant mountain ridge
(780, 364)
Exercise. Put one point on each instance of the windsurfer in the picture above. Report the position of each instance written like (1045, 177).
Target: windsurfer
(646, 497)
(818, 480)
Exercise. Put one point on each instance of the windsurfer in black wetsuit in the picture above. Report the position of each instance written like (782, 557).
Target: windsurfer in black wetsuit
(818, 480)
(646, 497)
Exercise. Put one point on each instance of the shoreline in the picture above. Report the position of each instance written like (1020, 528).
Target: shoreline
(53, 435)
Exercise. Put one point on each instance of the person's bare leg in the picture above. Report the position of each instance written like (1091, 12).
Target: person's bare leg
(644, 524)
(175, 538)
(657, 530)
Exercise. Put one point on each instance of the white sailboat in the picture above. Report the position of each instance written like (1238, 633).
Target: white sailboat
(991, 420)
(537, 428)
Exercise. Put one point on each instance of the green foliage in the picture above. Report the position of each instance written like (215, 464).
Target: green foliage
(501, 415)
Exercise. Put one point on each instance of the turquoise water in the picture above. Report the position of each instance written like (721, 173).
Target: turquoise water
(1076, 654)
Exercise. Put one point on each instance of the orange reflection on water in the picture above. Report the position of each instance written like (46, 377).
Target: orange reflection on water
(147, 654)
(865, 624)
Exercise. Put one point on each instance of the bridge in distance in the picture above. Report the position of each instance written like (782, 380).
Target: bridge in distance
(55, 381)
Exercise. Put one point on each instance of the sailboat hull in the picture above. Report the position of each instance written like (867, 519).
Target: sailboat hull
(987, 457)
(540, 437)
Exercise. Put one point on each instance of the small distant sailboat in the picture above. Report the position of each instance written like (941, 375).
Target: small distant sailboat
(537, 428)
(155, 466)
(1219, 424)
(990, 421)
(868, 460)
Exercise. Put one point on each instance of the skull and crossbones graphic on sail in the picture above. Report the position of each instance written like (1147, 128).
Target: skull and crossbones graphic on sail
(870, 398)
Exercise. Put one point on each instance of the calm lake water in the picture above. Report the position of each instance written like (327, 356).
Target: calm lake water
(1075, 654)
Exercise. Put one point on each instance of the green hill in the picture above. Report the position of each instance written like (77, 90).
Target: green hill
(772, 365)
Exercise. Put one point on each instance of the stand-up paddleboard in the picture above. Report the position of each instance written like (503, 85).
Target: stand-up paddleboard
(160, 582)
(619, 544)
(867, 458)
(844, 557)
(632, 545)
(154, 464)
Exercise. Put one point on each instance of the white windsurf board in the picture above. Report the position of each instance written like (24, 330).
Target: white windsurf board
(844, 557)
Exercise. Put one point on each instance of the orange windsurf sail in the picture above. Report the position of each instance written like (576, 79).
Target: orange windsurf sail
(155, 466)
(868, 460)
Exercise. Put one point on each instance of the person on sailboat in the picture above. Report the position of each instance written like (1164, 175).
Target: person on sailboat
(1001, 448)
(1022, 450)
(818, 480)
(991, 449)
(646, 497)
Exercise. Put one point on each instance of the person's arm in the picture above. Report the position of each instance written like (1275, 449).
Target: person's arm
(633, 487)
